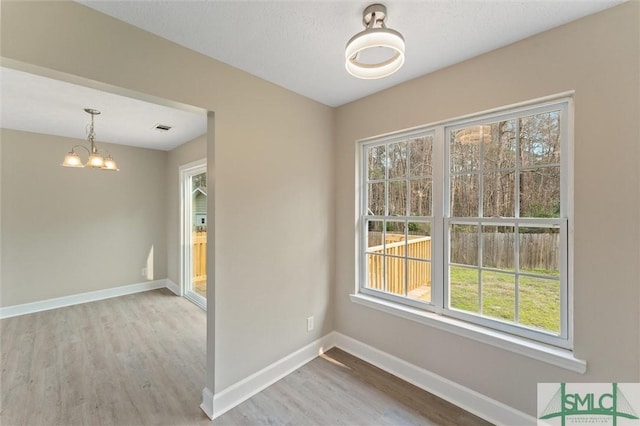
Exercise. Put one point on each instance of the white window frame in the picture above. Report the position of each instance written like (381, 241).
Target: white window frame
(186, 172)
(438, 309)
(398, 137)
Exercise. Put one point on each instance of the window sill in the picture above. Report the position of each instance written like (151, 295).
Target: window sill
(539, 351)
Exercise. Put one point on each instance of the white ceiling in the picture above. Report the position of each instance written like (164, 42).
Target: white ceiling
(297, 44)
(39, 104)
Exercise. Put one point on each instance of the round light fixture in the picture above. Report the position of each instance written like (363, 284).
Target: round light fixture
(377, 51)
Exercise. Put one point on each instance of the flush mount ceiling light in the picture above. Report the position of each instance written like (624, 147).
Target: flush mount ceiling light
(377, 51)
(95, 159)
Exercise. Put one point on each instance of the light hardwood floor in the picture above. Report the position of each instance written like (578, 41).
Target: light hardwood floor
(340, 389)
(131, 360)
(140, 360)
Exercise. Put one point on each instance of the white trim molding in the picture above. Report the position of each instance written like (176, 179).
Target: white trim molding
(239, 392)
(216, 404)
(463, 397)
(207, 402)
(76, 299)
(185, 173)
(559, 357)
(173, 287)
(441, 218)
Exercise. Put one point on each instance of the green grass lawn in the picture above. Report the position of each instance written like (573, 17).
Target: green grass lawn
(539, 298)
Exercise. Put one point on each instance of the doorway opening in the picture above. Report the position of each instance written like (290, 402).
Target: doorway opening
(193, 179)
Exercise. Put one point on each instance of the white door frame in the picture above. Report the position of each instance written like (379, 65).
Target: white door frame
(187, 171)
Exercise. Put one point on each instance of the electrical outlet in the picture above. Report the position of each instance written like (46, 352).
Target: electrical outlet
(310, 324)
(144, 272)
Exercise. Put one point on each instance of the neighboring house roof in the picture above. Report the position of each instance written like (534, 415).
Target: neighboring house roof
(203, 191)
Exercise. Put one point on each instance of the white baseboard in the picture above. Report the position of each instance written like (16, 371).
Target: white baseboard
(207, 402)
(217, 404)
(175, 288)
(241, 391)
(465, 398)
(75, 299)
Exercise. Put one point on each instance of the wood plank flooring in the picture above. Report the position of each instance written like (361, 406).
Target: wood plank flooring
(340, 389)
(132, 360)
(140, 360)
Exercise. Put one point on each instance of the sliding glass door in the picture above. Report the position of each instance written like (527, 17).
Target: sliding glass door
(194, 232)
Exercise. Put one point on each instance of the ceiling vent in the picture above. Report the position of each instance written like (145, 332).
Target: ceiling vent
(162, 127)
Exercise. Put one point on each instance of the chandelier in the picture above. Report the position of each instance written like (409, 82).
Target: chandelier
(95, 159)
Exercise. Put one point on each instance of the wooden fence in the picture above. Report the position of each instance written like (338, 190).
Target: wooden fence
(199, 257)
(536, 251)
(419, 273)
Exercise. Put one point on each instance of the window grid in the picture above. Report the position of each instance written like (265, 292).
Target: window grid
(481, 174)
(441, 209)
(402, 149)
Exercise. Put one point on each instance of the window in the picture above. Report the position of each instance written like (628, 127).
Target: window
(469, 219)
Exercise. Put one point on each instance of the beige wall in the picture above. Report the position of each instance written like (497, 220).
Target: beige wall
(273, 203)
(598, 57)
(68, 231)
(284, 198)
(184, 154)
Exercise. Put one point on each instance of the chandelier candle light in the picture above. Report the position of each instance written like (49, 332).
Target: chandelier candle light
(95, 160)
(377, 51)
